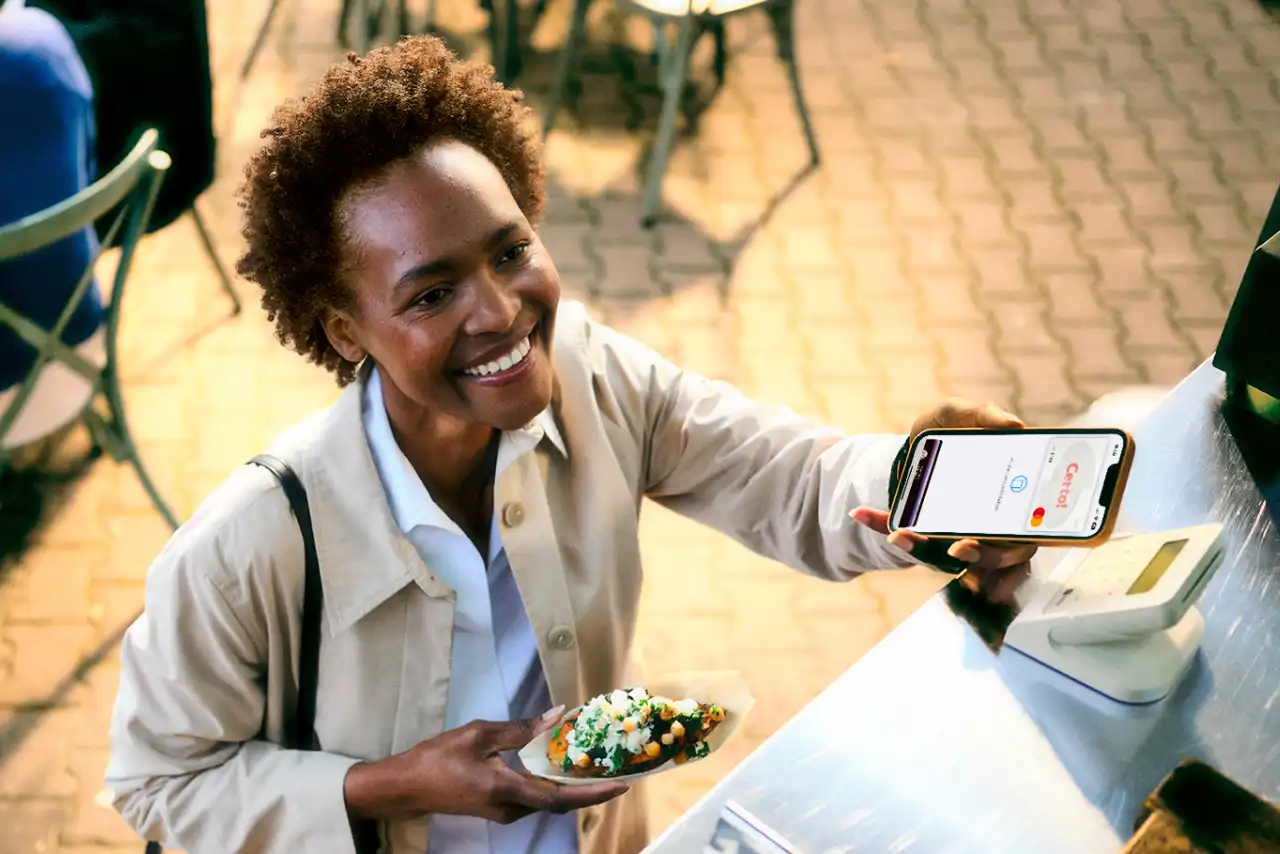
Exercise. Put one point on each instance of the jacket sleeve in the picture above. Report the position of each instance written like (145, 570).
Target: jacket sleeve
(188, 768)
(778, 483)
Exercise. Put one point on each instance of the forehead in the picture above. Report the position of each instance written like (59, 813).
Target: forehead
(439, 200)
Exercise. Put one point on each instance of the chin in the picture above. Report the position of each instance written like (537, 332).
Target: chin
(517, 413)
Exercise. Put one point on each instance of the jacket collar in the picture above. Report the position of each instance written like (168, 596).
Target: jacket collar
(411, 503)
(365, 558)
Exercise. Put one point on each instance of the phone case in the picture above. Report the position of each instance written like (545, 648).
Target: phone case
(1104, 532)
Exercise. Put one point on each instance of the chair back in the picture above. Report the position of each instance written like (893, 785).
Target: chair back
(130, 190)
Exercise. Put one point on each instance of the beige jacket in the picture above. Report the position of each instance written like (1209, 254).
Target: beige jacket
(209, 672)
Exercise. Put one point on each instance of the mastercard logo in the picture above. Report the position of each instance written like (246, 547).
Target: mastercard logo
(1037, 517)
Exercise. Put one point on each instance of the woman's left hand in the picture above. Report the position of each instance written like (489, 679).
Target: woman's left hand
(987, 558)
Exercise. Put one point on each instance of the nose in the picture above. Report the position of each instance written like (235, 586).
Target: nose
(494, 306)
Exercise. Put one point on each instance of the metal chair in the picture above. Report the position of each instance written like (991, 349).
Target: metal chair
(690, 20)
(220, 268)
(130, 190)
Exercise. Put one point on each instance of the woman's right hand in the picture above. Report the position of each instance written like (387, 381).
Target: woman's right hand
(461, 772)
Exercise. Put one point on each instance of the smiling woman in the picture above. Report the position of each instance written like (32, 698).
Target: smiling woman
(474, 497)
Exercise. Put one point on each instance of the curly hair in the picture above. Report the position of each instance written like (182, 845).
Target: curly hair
(364, 115)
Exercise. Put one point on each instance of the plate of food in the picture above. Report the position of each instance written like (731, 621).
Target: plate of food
(639, 730)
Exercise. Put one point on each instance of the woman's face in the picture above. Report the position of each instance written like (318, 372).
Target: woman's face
(455, 296)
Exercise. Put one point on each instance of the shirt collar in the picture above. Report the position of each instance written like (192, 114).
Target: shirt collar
(410, 503)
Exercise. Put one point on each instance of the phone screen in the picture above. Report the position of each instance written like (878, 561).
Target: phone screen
(1024, 484)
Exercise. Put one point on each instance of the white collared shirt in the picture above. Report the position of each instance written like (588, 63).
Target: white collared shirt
(496, 673)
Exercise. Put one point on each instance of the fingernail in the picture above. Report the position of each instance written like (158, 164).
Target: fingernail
(905, 544)
(965, 553)
(553, 714)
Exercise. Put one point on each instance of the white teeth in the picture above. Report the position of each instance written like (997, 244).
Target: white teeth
(515, 357)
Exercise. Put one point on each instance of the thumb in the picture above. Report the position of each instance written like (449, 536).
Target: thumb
(990, 416)
(514, 735)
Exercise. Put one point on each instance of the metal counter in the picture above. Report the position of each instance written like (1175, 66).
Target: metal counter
(934, 743)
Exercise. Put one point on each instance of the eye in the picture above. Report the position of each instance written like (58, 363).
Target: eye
(432, 297)
(515, 253)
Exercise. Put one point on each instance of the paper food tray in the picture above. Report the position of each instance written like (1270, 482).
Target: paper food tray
(725, 688)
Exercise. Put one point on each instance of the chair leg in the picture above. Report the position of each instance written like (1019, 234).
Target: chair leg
(122, 438)
(511, 32)
(566, 65)
(344, 15)
(263, 30)
(722, 51)
(376, 14)
(365, 28)
(781, 17)
(101, 435)
(224, 278)
(403, 24)
(674, 72)
(363, 37)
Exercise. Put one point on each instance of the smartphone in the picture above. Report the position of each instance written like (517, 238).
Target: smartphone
(1058, 486)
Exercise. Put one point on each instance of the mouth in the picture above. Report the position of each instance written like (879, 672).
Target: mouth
(508, 363)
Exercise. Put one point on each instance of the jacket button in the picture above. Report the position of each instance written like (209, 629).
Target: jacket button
(561, 637)
(512, 514)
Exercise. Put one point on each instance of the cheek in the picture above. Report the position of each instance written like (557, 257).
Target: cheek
(416, 350)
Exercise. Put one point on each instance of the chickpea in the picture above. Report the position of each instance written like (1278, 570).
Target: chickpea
(630, 724)
(677, 729)
(668, 739)
(583, 761)
(653, 749)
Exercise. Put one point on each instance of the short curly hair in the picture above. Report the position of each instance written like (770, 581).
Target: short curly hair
(364, 115)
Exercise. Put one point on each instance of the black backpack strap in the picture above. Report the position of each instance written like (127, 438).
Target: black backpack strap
(303, 736)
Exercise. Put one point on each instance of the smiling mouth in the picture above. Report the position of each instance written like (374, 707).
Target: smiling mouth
(504, 363)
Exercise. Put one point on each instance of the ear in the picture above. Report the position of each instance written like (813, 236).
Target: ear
(341, 331)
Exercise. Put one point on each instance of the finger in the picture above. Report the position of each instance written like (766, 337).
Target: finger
(1002, 585)
(1002, 557)
(994, 416)
(963, 413)
(987, 415)
(513, 735)
(988, 555)
(876, 520)
(967, 550)
(544, 795)
(906, 540)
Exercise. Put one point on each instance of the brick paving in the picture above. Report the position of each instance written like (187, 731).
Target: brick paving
(1028, 202)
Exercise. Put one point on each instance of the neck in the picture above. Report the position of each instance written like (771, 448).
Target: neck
(450, 455)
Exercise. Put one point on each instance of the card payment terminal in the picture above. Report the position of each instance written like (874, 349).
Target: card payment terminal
(1121, 618)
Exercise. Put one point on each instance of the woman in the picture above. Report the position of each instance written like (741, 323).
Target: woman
(475, 495)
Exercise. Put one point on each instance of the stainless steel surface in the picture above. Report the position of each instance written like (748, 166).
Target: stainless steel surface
(934, 743)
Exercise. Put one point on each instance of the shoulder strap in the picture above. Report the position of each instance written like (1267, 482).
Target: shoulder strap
(303, 735)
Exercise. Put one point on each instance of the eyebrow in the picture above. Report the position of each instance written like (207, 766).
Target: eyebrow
(432, 268)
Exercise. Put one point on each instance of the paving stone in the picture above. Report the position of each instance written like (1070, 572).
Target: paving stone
(1028, 203)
